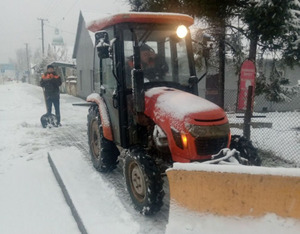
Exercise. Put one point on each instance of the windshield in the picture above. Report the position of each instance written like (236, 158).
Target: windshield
(163, 56)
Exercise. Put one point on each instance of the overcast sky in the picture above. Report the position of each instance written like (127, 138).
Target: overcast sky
(19, 22)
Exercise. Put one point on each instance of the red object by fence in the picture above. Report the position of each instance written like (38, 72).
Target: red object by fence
(247, 78)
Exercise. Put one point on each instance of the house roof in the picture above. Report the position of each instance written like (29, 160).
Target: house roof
(62, 64)
(138, 17)
(79, 25)
(84, 17)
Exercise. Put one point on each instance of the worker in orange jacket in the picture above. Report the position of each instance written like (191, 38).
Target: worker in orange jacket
(50, 81)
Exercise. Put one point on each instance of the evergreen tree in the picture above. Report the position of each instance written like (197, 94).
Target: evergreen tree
(273, 25)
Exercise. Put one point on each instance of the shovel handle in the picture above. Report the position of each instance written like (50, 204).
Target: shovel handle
(45, 99)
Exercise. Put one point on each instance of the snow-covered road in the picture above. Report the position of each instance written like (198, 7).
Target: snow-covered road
(31, 200)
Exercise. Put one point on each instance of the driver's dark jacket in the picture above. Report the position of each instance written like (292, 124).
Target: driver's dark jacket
(51, 83)
(158, 71)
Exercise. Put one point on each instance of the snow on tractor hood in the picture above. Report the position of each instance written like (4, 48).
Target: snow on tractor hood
(174, 105)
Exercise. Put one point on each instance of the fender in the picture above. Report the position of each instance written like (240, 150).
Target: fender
(104, 115)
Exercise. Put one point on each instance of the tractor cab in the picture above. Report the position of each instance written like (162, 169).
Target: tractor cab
(137, 52)
(146, 103)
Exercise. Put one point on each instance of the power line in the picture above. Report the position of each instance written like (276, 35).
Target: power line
(68, 12)
(51, 8)
(51, 26)
(55, 14)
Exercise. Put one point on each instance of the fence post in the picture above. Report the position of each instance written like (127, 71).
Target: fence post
(248, 114)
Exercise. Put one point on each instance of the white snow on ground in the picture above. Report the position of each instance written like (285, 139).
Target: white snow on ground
(283, 138)
(170, 99)
(188, 222)
(32, 202)
(98, 206)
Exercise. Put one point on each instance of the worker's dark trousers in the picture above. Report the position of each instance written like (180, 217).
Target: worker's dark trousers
(55, 102)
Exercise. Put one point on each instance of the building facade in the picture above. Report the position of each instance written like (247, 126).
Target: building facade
(87, 62)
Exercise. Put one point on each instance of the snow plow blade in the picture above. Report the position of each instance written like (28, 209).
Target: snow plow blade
(235, 190)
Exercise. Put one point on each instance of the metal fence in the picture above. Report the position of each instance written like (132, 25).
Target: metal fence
(276, 130)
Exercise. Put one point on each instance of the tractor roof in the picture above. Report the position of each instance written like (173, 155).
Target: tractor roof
(145, 17)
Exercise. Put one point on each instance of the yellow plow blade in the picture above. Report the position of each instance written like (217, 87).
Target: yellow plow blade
(235, 190)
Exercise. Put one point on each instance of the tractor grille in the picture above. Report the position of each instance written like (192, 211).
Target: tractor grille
(209, 146)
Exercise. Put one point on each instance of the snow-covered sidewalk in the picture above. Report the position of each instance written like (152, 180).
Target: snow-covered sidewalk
(30, 199)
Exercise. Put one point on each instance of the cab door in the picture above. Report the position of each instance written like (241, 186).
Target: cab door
(109, 91)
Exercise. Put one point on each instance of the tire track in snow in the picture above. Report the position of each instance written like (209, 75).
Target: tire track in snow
(76, 135)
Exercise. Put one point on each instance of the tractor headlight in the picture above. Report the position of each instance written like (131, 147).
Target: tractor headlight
(181, 31)
(180, 138)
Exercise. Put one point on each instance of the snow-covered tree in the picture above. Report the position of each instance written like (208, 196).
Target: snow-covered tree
(273, 28)
(21, 61)
(275, 87)
(273, 25)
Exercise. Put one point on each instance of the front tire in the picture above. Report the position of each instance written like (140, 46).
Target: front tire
(104, 153)
(144, 181)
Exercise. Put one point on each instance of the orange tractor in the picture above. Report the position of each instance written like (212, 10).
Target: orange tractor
(148, 108)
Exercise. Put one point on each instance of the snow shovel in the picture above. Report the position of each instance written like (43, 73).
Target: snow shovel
(48, 120)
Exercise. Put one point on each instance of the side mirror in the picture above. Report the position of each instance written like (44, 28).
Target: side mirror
(102, 44)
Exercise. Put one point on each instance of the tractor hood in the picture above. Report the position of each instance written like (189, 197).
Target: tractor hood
(175, 107)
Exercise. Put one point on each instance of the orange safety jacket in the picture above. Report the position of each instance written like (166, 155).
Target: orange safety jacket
(48, 76)
(51, 82)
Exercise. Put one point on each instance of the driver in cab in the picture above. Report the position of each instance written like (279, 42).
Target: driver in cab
(153, 66)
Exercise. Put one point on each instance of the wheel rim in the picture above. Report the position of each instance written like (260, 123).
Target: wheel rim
(95, 139)
(137, 182)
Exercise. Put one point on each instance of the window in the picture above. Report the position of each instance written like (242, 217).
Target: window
(170, 55)
(96, 75)
(108, 80)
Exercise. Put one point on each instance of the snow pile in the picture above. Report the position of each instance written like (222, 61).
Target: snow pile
(95, 97)
(95, 201)
(188, 222)
(95, 21)
(238, 169)
(30, 200)
(179, 103)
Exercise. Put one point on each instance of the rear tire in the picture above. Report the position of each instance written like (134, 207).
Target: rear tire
(104, 153)
(246, 149)
(144, 181)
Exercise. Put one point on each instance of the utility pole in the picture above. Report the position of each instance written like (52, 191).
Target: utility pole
(28, 66)
(42, 30)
